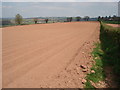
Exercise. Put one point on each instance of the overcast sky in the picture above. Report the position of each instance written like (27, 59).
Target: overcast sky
(93, 8)
(60, 0)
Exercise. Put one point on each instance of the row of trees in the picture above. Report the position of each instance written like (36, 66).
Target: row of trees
(78, 18)
(19, 19)
(109, 18)
(36, 20)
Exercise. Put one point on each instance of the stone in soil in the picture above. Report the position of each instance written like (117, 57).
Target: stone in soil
(84, 81)
(92, 71)
(84, 70)
(83, 66)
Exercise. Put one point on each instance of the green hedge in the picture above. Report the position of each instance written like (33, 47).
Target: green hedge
(110, 44)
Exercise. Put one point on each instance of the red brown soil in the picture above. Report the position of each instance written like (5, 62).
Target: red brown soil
(114, 25)
(47, 55)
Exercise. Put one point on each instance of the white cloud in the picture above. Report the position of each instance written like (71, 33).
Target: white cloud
(60, 0)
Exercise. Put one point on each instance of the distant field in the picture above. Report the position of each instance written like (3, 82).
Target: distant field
(112, 22)
(6, 22)
(114, 25)
(11, 22)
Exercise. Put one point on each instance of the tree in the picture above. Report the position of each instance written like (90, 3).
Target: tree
(86, 18)
(18, 19)
(99, 18)
(106, 18)
(46, 20)
(109, 17)
(114, 18)
(69, 19)
(78, 18)
(35, 20)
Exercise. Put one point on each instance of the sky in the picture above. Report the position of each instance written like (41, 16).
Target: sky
(68, 8)
(60, 0)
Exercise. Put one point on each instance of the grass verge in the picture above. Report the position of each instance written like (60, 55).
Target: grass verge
(99, 74)
(106, 53)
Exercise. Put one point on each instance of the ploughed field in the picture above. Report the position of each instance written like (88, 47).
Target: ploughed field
(33, 55)
(114, 25)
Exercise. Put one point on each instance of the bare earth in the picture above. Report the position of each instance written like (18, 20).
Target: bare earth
(114, 25)
(47, 55)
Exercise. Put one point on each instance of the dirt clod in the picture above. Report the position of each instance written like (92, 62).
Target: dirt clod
(83, 66)
(85, 70)
(92, 71)
(84, 81)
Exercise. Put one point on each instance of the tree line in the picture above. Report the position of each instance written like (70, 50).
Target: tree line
(109, 18)
(19, 19)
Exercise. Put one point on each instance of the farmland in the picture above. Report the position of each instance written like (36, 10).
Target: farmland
(44, 54)
(60, 44)
(5, 22)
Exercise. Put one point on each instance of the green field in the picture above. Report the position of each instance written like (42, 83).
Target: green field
(112, 22)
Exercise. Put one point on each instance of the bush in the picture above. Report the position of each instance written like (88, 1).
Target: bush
(106, 53)
(110, 44)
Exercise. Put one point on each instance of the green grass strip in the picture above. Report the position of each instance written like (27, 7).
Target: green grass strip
(97, 67)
